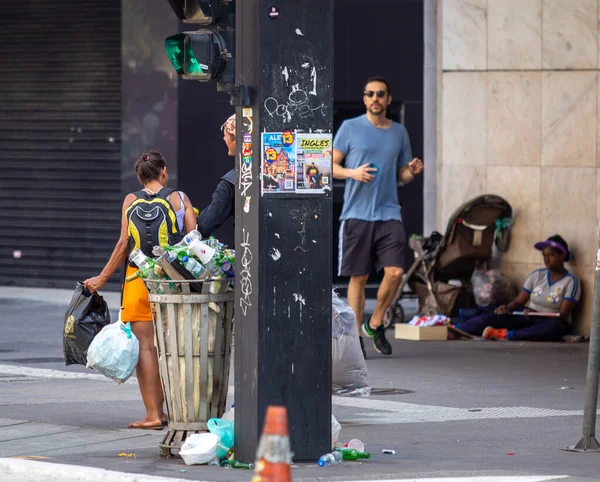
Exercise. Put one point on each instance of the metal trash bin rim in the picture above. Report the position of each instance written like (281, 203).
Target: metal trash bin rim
(186, 288)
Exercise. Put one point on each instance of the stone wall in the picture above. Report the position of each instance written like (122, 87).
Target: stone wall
(518, 117)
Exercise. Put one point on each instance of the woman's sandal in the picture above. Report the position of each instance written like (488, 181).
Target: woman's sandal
(141, 425)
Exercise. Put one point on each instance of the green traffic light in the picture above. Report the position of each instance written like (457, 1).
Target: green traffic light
(179, 51)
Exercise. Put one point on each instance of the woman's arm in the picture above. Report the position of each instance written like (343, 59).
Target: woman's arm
(566, 307)
(520, 300)
(189, 219)
(118, 255)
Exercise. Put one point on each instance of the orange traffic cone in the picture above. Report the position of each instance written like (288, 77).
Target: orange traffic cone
(273, 456)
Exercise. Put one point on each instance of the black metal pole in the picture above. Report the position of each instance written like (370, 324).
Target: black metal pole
(588, 442)
(284, 55)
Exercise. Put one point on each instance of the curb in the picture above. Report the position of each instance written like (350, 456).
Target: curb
(17, 470)
(54, 296)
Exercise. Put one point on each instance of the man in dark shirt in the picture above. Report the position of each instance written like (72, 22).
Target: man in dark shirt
(222, 206)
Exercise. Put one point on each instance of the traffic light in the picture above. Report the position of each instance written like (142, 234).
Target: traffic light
(206, 54)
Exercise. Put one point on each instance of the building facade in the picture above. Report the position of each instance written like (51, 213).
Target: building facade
(517, 116)
(86, 88)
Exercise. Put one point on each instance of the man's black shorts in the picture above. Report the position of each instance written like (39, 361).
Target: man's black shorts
(365, 245)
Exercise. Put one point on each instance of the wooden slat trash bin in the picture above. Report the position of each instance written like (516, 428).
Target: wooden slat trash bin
(193, 336)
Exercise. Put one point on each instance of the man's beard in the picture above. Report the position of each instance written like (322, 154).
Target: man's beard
(380, 111)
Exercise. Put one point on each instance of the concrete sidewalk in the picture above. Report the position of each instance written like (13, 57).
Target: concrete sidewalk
(465, 406)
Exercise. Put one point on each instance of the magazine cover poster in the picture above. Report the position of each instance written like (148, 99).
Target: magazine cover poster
(314, 163)
(278, 162)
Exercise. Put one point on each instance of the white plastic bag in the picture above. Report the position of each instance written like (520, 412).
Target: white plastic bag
(342, 316)
(349, 370)
(492, 287)
(199, 448)
(336, 428)
(114, 352)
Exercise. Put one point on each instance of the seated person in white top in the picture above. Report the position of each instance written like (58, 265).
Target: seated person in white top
(551, 290)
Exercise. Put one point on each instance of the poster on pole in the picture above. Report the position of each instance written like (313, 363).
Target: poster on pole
(313, 159)
(278, 162)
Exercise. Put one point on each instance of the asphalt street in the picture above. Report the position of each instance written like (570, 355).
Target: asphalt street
(468, 408)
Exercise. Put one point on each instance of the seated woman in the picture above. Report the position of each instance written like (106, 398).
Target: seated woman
(549, 290)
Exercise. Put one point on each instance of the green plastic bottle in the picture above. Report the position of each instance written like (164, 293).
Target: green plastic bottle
(353, 454)
(234, 464)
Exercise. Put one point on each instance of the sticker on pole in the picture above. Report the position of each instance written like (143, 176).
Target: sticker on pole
(598, 260)
(314, 163)
(278, 162)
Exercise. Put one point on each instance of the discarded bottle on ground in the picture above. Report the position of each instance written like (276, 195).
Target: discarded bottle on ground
(330, 459)
(353, 454)
(234, 464)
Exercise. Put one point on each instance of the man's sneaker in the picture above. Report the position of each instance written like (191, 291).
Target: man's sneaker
(380, 343)
(491, 333)
(362, 347)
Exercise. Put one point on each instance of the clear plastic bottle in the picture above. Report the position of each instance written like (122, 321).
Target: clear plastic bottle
(194, 267)
(147, 266)
(230, 413)
(191, 236)
(212, 242)
(149, 269)
(332, 458)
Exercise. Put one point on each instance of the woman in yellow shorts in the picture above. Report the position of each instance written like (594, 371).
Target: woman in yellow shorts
(151, 170)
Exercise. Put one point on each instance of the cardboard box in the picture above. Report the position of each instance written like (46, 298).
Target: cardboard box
(418, 333)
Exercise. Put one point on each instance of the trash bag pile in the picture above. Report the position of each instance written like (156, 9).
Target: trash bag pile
(191, 259)
(349, 370)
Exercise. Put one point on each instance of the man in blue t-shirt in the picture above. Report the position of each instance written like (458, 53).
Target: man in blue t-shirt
(377, 154)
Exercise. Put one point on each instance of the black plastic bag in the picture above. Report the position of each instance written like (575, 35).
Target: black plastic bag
(86, 316)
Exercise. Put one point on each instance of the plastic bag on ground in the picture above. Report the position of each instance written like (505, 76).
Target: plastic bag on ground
(336, 428)
(86, 315)
(114, 352)
(342, 316)
(224, 430)
(199, 448)
(492, 288)
(349, 370)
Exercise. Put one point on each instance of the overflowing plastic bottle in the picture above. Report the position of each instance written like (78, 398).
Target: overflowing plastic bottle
(194, 267)
(332, 458)
(147, 267)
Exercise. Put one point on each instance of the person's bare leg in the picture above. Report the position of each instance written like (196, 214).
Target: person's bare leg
(356, 297)
(385, 294)
(148, 376)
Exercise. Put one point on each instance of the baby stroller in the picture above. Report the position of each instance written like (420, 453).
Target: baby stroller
(466, 245)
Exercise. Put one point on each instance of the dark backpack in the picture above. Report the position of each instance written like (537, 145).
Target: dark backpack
(151, 221)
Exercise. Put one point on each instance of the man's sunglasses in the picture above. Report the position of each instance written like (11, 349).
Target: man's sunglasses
(378, 93)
